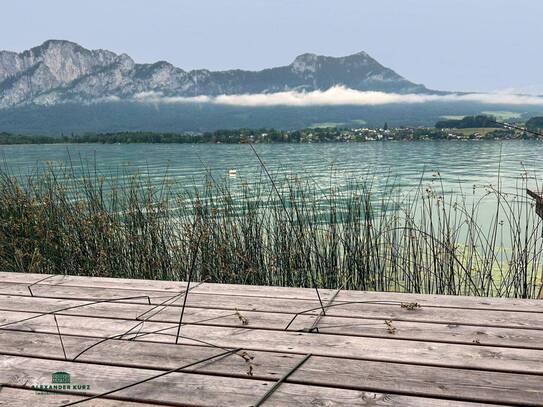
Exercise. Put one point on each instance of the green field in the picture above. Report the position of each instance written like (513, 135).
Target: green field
(498, 114)
(326, 125)
(359, 122)
(472, 130)
(502, 114)
(452, 117)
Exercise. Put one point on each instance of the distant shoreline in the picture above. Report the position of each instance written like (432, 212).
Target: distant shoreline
(274, 136)
(278, 143)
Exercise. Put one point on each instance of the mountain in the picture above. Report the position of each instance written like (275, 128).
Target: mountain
(58, 72)
(62, 87)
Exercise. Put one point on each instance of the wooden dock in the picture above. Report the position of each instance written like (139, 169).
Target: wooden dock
(65, 339)
(538, 196)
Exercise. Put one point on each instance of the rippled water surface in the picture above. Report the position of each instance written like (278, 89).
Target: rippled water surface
(460, 164)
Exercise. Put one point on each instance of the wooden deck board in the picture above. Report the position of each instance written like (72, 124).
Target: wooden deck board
(476, 385)
(435, 332)
(452, 351)
(19, 397)
(499, 318)
(196, 389)
(151, 286)
(377, 349)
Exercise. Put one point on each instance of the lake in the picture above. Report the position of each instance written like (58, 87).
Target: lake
(461, 164)
(498, 240)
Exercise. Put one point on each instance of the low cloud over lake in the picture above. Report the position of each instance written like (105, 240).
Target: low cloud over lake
(340, 95)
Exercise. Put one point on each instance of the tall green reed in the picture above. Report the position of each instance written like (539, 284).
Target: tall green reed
(361, 236)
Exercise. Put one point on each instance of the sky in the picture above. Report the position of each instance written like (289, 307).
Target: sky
(457, 45)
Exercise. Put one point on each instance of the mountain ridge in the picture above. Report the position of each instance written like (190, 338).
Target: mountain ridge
(60, 71)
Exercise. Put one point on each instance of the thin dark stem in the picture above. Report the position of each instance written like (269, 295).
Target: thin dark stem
(60, 337)
(42, 314)
(281, 380)
(223, 354)
(314, 283)
(193, 263)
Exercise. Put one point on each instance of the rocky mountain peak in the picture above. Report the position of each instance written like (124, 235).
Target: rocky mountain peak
(66, 60)
(306, 63)
(59, 71)
(125, 62)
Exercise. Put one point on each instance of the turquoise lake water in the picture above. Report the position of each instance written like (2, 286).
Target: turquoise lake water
(461, 164)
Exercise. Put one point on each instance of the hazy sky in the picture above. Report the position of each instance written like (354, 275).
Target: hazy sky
(472, 45)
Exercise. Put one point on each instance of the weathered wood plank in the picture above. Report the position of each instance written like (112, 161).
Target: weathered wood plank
(472, 385)
(505, 319)
(17, 397)
(162, 285)
(205, 316)
(431, 332)
(195, 389)
(465, 349)
(376, 349)
(429, 300)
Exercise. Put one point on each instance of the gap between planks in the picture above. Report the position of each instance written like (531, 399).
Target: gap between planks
(429, 300)
(183, 389)
(309, 379)
(419, 330)
(323, 371)
(509, 360)
(498, 319)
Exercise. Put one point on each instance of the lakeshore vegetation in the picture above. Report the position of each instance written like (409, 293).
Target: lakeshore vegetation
(275, 231)
(466, 128)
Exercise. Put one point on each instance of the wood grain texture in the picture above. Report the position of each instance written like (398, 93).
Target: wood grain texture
(474, 385)
(429, 300)
(195, 389)
(505, 319)
(450, 351)
(342, 346)
(18, 397)
(423, 331)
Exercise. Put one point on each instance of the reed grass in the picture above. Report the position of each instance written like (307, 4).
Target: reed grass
(287, 232)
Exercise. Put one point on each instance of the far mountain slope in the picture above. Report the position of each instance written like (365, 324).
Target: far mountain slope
(61, 71)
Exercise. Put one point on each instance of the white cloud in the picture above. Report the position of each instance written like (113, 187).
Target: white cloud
(156, 97)
(339, 95)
